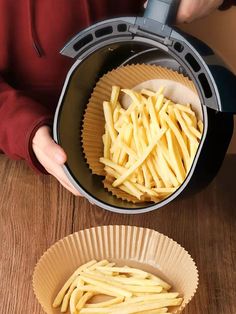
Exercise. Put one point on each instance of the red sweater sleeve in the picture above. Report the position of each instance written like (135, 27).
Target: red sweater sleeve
(20, 117)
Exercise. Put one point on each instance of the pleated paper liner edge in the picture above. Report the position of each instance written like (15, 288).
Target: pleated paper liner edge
(122, 194)
(135, 246)
(93, 123)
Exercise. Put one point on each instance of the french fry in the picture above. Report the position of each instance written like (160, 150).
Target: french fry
(136, 97)
(158, 311)
(96, 310)
(200, 126)
(109, 163)
(74, 299)
(139, 162)
(165, 190)
(159, 102)
(132, 290)
(66, 299)
(117, 290)
(127, 136)
(109, 120)
(184, 127)
(147, 92)
(195, 132)
(185, 109)
(98, 290)
(153, 297)
(187, 118)
(114, 96)
(129, 309)
(107, 144)
(128, 186)
(105, 303)
(179, 138)
(152, 113)
(127, 270)
(62, 292)
(87, 296)
(150, 145)
(175, 158)
(116, 115)
(103, 262)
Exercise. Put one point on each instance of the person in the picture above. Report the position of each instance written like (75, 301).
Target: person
(190, 10)
(32, 71)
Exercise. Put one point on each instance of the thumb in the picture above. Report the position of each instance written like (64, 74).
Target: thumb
(46, 144)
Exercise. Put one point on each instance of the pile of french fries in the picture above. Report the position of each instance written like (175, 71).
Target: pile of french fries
(148, 148)
(127, 290)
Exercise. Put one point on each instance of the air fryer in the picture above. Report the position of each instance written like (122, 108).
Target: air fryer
(150, 39)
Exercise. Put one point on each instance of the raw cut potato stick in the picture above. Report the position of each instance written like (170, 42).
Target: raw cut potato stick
(130, 133)
(129, 151)
(185, 109)
(152, 297)
(114, 96)
(105, 286)
(107, 144)
(149, 169)
(87, 296)
(130, 286)
(108, 118)
(147, 92)
(200, 126)
(122, 309)
(106, 310)
(179, 138)
(184, 127)
(105, 303)
(98, 290)
(111, 164)
(158, 311)
(139, 162)
(116, 115)
(129, 186)
(132, 290)
(139, 148)
(159, 102)
(68, 283)
(195, 132)
(175, 158)
(127, 136)
(152, 113)
(187, 118)
(68, 294)
(127, 270)
(103, 262)
(74, 299)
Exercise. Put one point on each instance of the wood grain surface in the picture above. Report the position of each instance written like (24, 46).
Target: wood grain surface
(35, 212)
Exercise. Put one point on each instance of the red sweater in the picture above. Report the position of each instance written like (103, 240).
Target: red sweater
(32, 71)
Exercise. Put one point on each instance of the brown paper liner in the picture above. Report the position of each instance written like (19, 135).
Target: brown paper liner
(177, 87)
(121, 194)
(126, 245)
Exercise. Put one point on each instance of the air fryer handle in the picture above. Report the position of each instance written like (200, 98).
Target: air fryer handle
(163, 11)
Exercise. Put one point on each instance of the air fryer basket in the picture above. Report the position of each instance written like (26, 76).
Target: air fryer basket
(103, 55)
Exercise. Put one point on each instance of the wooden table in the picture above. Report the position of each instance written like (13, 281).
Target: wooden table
(35, 211)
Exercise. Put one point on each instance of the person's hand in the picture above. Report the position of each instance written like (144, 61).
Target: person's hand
(190, 10)
(51, 156)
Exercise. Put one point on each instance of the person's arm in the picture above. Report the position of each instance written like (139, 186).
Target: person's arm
(24, 134)
(20, 117)
(190, 10)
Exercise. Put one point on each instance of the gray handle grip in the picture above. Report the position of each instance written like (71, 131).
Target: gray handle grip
(163, 11)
